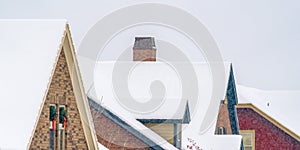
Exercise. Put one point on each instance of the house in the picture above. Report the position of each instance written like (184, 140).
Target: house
(268, 119)
(43, 103)
(174, 123)
(227, 122)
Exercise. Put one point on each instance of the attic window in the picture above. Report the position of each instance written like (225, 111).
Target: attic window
(248, 139)
(62, 126)
(62, 117)
(221, 130)
(52, 120)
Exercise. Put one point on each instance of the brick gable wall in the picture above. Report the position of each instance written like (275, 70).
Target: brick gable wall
(112, 135)
(60, 93)
(223, 119)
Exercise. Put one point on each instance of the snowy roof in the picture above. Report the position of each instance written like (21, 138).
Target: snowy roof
(101, 147)
(281, 106)
(142, 83)
(143, 77)
(212, 142)
(28, 49)
(137, 128)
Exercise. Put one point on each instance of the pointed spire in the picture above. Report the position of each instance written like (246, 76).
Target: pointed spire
(186, 117)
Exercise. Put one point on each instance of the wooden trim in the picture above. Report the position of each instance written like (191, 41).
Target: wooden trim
(175, 138)
(80, 95)
(267, 117)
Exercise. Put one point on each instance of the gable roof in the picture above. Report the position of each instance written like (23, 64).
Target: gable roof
(278, 107)
(28, 53)
(173, 106)
(101, 87)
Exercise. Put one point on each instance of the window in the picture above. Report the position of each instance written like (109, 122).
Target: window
(221, 130)
(52, 119)
(248, 139)
(62, 126)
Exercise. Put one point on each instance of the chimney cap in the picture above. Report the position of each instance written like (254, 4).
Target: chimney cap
(144, 43)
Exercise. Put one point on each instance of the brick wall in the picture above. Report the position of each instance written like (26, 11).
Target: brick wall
(112, 135)
(223, 119)
(144, 49)
(267, 135)
(60, 93)
(144, 55)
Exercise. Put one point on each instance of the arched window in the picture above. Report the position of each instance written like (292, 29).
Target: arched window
(221, 130)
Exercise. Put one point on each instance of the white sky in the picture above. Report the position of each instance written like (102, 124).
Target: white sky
(260, 38)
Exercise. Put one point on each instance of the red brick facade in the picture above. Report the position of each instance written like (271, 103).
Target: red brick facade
(267, 135)
(60, 93)
(144, 55)
(112, 135)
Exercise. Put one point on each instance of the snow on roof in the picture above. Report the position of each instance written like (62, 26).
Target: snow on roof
(102, 147)
(130, 120)
(140, 86)
(279, 105)
(215, 142)
(142, 78)
(28, 49)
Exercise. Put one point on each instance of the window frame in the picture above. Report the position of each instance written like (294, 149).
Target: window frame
(252, 133)
(221, 131)
(61, 130)
(52, 133)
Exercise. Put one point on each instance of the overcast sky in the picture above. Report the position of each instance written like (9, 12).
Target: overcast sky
(260, 38)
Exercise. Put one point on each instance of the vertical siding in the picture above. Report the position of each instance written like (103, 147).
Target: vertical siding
(166, 131)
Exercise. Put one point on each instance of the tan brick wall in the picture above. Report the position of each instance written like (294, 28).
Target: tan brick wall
(113, 136)
(144, 55)
(223, 119)
(60, 93)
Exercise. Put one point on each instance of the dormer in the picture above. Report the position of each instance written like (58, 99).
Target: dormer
(168, 126)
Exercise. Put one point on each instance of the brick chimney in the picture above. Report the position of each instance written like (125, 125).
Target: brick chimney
(144, 49)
